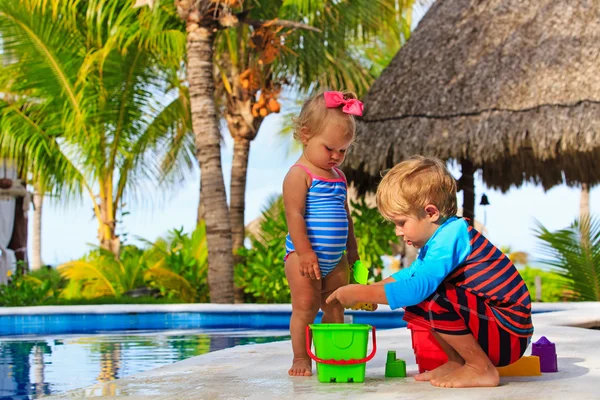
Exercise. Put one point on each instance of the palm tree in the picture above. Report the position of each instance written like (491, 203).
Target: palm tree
(201, 18)
(83, 114)
(274, 50)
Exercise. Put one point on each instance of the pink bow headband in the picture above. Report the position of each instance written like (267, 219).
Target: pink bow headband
(336, 99)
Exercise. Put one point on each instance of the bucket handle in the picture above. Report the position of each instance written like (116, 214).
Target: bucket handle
(339, 362)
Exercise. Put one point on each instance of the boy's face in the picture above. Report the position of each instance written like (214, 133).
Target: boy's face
(416, 230)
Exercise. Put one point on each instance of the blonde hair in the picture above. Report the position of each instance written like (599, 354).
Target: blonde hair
(315, 115)
(412, 184)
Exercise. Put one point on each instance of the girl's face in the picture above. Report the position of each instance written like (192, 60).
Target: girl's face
(327, 149)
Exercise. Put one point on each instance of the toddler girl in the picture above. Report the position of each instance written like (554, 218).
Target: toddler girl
(319, 223)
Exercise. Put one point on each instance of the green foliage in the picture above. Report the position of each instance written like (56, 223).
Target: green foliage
(178, 265)
(112, 300)
(574, 253)
(338, 56)
(553, 285)
(100, 274)
(374, 237)
(175, 265)
(38, 288)
(262, 275)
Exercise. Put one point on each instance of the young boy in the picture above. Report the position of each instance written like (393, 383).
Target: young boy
(461, 287)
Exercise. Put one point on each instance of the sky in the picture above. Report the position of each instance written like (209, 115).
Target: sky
(68, 232)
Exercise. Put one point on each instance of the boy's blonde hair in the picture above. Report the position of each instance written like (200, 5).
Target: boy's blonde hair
(412, 184)
(315, 114)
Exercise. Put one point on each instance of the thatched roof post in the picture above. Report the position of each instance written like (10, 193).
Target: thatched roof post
(467, 185)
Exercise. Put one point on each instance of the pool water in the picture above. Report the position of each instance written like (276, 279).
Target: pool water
(36, 366)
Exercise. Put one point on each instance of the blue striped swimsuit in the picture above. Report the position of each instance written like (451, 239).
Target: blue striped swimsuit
(326, 220)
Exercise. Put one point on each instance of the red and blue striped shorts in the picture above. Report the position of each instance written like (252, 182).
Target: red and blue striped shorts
(452, 310)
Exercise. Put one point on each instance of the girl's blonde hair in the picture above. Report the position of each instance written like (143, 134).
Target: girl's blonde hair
(412, 184)
(315, 115)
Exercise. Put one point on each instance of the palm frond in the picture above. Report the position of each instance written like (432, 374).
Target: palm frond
(33, 139)
(49, 53)
(172, 281)
(574, 253)
(89, 274)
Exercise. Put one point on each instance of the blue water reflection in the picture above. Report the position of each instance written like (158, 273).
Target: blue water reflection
(34, 367)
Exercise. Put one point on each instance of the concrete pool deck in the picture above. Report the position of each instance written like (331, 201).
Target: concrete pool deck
(260, 371)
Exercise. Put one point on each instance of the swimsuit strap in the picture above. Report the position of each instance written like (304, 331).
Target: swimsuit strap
(305, 169)
(342, 176)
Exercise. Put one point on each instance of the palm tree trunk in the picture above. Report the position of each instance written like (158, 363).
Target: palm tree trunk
(107, 228)
(36, 245)
(200, 41)
(201, 209)
(584, 204)
(239, 168)
(584, 213)
(243, 127)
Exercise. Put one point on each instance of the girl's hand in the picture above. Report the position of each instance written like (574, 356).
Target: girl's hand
(309, 265)
(352, 255)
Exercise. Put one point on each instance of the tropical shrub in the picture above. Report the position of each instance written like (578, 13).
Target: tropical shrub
(373, 236)
(178, 265)
(554, 286)
(37, 288)
(99, 273)
(262, 274)
(574, 253)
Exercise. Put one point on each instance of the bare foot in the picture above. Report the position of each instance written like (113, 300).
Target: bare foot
(301, 367)
(440, 371)
(469, 376)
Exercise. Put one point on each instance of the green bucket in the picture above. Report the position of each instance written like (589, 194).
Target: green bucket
(341, 351)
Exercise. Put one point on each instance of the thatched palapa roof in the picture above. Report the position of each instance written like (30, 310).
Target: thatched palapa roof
(511, 85)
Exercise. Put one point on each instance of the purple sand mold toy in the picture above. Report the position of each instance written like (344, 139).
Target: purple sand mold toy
(546, 351)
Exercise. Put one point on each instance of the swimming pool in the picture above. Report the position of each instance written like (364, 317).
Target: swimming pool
(51, 320)
(53, 349)
(36, 366)
(50, 350)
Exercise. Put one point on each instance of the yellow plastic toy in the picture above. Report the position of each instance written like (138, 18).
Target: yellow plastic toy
(525, 366)
(360, 276)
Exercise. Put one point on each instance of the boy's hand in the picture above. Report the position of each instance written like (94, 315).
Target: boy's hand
(309, 265)
(344, 295)
(352, 255)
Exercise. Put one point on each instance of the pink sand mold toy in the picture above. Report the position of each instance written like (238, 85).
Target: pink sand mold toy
(546, 351)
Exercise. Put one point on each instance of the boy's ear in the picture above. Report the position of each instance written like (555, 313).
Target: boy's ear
(432, 212)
